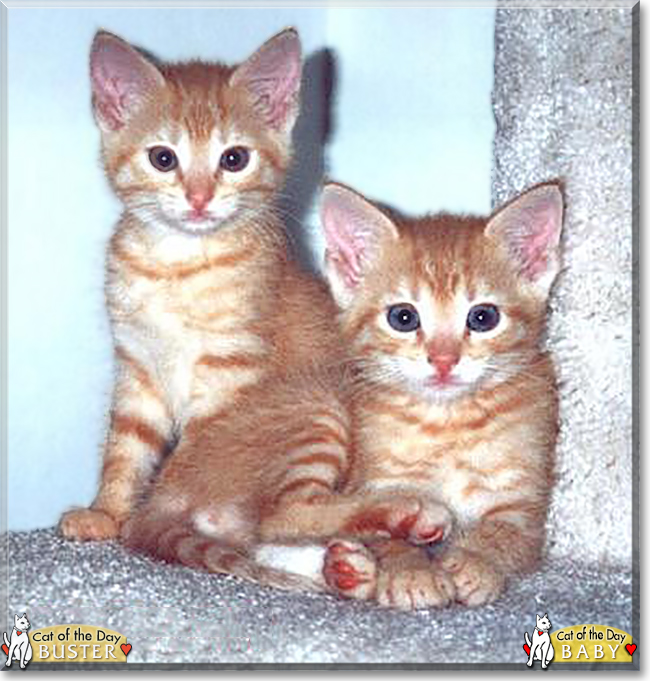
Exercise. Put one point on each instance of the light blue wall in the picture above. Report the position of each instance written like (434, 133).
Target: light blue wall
(412, 127)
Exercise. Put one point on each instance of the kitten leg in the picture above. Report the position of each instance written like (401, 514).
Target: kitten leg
(413, 518)
(317, 515)
(502, 543)
(139, 435)
(301, 500)
(321, 513)
(202, 510)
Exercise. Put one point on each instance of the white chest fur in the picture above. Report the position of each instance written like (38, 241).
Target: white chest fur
(167, 324)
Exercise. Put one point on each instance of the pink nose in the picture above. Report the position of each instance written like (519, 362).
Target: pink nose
(199, 199)
(443, 364)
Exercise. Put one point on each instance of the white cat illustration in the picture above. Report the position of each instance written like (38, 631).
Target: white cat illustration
(20, 647)
(541, 647)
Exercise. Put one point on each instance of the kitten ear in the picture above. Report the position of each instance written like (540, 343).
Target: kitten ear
(122, 80)
(272, 77)
(529, 227)
(355, 232)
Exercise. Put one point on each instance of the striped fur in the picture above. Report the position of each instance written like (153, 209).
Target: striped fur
(371, 460)
(282, 447)
(453, 429)
(203, 299)
(223, 346)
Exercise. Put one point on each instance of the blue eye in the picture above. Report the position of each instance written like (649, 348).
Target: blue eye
(482, 318)
(403, 317)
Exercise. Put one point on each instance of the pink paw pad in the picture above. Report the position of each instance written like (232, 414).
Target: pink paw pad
(418, 529)
(429, 535)
(345, 568)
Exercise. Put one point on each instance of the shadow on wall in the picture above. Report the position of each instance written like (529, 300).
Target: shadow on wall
(313, 130)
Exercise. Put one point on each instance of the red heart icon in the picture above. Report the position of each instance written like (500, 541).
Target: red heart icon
(126, 648)
(6, 650)
(630, 647)
(527, 649)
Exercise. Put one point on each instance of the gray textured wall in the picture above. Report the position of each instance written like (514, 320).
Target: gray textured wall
(563, 102)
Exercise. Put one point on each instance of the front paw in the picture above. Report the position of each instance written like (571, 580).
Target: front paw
(413, 588)
(418, 521)
(88, 524)
(476, 581)
(350, 569)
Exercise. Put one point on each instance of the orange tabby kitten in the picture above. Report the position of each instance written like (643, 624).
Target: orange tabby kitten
(444, 430)
(454, 418)
(201, 294)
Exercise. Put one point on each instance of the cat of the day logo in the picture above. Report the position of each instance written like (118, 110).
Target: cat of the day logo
(63, 643)
(17, 647)
(540, 648)
(577, 643)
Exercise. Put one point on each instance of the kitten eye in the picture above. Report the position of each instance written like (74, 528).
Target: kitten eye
(483, 317)
(163, 159)
(403, 317)
(235, 159)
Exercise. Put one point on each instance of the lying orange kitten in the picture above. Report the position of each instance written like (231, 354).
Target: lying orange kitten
(454, 418)
(202, 296)
(442, 433)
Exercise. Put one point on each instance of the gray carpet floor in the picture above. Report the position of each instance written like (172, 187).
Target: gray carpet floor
(172, 614)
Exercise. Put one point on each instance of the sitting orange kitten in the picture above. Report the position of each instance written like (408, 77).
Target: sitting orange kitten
(454, 416)
(202, 296)
(443, 431)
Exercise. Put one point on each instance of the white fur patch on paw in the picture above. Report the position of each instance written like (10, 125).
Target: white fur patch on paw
(306, 561)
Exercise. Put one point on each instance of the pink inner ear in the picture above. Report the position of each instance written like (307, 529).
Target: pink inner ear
(530, 227)
(275, 98)
(272, 75)
(357, 233)
(121, 79)
(535, 247)
(343, 249)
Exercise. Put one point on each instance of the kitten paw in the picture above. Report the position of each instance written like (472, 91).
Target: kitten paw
(476, 581)
(88, 524)
(350, 569)
(414, 588)
(403, 517)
